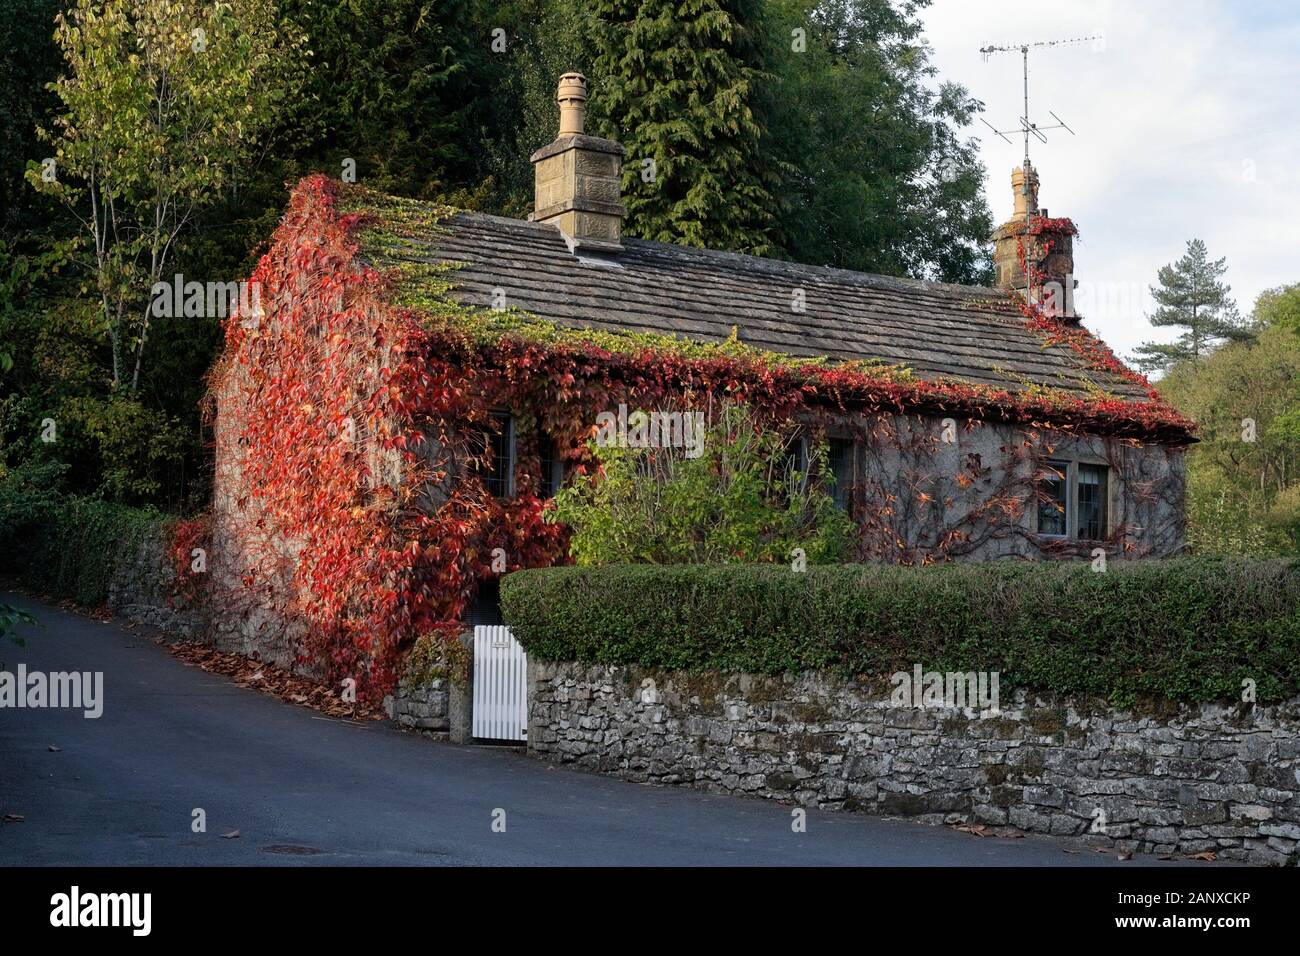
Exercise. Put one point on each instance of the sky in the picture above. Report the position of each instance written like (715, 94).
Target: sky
(1187, 123)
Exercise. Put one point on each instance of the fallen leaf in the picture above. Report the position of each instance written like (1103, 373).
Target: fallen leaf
(53, 748)
(257, 675)
(1209, 856)
(14, 818)
(1125, 856)
(232, 835)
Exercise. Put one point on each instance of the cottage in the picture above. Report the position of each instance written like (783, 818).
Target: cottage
(419, 381)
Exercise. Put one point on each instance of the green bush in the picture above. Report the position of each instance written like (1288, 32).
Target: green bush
(1188, 629)
(744, 498)
(29, 495)
(74, 551)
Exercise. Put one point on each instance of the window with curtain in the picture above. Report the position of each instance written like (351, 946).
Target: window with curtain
(1054, 499)
(1073, 500)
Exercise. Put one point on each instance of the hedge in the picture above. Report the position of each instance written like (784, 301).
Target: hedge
(1186, 629)
(75, 550)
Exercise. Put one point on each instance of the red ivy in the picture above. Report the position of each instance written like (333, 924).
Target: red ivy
(187, 536)
(355, 424)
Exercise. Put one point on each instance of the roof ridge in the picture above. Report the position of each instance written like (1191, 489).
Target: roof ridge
(759, 262)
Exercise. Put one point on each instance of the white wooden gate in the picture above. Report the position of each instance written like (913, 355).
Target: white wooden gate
(500, 685)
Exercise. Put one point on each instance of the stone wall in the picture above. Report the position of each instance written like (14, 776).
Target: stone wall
(421, 706)
(1185, 781)
(141, 590)
(993, 461)
(436, 705)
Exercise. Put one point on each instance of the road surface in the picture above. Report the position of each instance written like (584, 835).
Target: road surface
(302, 789)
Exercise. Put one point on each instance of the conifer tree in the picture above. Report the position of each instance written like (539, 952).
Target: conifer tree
(1192, 296)
(678, 78)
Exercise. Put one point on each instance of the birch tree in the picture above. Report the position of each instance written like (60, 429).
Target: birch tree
(162, 104)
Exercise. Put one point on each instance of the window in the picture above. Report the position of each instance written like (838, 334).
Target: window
(796, 455)
(792, 477)
(499, 468)
(796, 459)
(1054, 499)
(839, 461)
(1073, 500)
(552, 467)
(1092, 502)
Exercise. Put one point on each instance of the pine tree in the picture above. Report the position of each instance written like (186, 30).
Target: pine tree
(1192, 296)
(678, 82)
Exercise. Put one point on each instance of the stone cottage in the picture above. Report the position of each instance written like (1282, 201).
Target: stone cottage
(418, 381)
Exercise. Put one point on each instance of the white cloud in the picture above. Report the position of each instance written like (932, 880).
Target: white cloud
(1186, 123)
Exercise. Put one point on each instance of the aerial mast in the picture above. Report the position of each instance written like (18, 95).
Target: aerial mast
(1027, 126)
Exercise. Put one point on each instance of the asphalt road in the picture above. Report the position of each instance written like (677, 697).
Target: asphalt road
(301, 788)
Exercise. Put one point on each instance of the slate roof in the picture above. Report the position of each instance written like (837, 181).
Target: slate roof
(968, 333)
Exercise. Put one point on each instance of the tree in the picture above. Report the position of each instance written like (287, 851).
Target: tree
(401, 87)
(163, 101)
(1244, 472)
(554, 38)
(678, 81)
(29, 60)
(1192, 297)
(875, 175)
(1279, 307)
(814, 130)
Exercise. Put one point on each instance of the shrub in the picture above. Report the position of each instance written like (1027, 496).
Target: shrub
(1188, 629)
(75, 551)
(744, 497)
(29, 496)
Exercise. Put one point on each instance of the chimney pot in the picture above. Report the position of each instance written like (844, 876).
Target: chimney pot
(577, 178)
(1024, 183)
(571, 95)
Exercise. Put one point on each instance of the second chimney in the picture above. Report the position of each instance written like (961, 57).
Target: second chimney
(576, 178)
(1034, 253)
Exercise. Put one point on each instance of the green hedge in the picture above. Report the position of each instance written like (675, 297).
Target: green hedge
(74, 551)
(1188, 629)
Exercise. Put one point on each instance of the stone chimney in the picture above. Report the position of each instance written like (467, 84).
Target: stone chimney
(1032, 238)
(576, 178)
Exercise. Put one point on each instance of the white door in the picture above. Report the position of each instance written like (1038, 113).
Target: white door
(500, 684)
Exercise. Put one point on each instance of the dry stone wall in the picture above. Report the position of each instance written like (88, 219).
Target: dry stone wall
(1183, 781)
(142, 590)
(421, 706)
